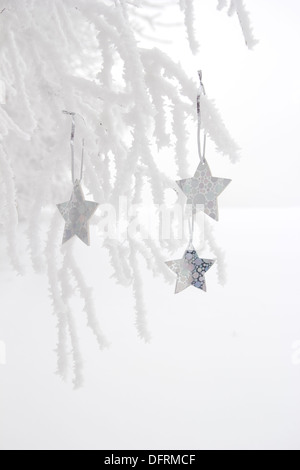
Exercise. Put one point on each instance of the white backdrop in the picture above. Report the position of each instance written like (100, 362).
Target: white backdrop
(222, 370)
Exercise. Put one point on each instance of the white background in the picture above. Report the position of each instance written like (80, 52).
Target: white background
(220, 371)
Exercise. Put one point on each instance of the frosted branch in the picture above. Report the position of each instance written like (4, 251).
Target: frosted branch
(141, 313)
(245, 23)
(238, 7)
(67, 290)
(215, 128)
(11, 223)
(189, 18)
(55, 291)
(86, 294)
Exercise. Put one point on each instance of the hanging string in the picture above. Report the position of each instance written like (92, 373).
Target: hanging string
(82, 159)
(191, 227)
(199, 114)
(72, 142)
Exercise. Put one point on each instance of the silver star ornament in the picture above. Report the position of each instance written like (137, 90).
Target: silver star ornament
(190, 270)
(77, 213)
(203, 190)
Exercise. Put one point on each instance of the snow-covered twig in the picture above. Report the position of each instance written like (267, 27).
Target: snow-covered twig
(238, 7)
(55, 291)
(245, 23)
(11, 222)
(215, 128)
(64, 275)
(187, 6)
(141, 312)
(86, 294)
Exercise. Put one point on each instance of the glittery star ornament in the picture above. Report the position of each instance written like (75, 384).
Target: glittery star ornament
(77, 213)
(190, 270)
(203, 190)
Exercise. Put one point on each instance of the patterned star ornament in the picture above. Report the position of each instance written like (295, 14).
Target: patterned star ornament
(203, 190)
(77, 213)
(190, 270)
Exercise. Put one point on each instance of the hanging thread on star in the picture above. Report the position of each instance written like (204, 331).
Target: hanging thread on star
(77, 211)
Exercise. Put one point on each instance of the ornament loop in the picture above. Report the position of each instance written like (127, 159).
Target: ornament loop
(73, 128)
(201, 92)
(191, 227)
